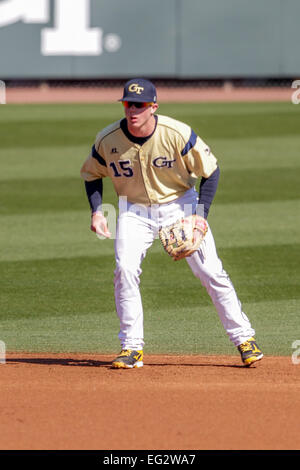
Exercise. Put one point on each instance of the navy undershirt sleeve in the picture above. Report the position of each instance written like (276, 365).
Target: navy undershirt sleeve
(207, 190)
(94, 191)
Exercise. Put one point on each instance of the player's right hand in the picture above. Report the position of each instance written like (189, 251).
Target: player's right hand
(99, 225)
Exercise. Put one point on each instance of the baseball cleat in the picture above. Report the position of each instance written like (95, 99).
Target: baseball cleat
(250, 352)
(128, 359)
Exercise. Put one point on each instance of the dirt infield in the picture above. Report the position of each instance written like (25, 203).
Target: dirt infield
(45, 94)
(77, 402)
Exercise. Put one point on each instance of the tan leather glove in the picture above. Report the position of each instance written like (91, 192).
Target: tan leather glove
(184, 237)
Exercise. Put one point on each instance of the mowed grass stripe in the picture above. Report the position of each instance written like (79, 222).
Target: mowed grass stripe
(259, 273)
(62, 286)
(275, 184)
(232, 154)
(46, 195)
(56, 286)
(173, 330)
(243, 126)
(198, 330)
(257, 223)
(68, 305)
(181, 111)
(73, 131)
(60, 194)
(67, 234)
(42, 162)
(49, 133)
(51, 235)
(58, 112)
(260, 153)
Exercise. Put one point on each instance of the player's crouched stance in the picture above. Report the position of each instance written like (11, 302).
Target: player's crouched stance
(154, 162)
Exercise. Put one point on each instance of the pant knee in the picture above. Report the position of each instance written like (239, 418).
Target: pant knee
(125, 275)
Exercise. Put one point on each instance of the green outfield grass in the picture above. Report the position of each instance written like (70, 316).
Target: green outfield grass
(57, 276)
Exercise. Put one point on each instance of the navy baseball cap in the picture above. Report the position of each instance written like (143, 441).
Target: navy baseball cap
(139, 90)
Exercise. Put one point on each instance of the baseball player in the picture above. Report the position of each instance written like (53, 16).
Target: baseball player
(154, 163)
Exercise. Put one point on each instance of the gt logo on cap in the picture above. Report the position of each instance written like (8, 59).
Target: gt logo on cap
(135, 88)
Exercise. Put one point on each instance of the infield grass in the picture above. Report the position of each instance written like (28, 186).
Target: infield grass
(57, 277)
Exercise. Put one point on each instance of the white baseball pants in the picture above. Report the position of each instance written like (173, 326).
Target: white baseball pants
(137, 228)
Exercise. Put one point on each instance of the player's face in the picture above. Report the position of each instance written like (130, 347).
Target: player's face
(140, 117)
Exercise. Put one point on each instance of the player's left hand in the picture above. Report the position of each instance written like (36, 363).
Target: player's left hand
(99, 225)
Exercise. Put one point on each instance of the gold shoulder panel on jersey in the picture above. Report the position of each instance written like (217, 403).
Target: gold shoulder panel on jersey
(115, 126)
(95, 165)
(179, 127)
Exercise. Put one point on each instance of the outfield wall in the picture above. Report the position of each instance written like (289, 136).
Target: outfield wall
(162, 38)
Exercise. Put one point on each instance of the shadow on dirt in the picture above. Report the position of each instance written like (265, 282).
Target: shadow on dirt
(101, 363)
(60, 361)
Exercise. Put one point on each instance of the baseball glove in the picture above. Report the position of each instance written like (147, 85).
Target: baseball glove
(184, 237)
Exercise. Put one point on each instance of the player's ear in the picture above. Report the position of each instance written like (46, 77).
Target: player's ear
(154, 107)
